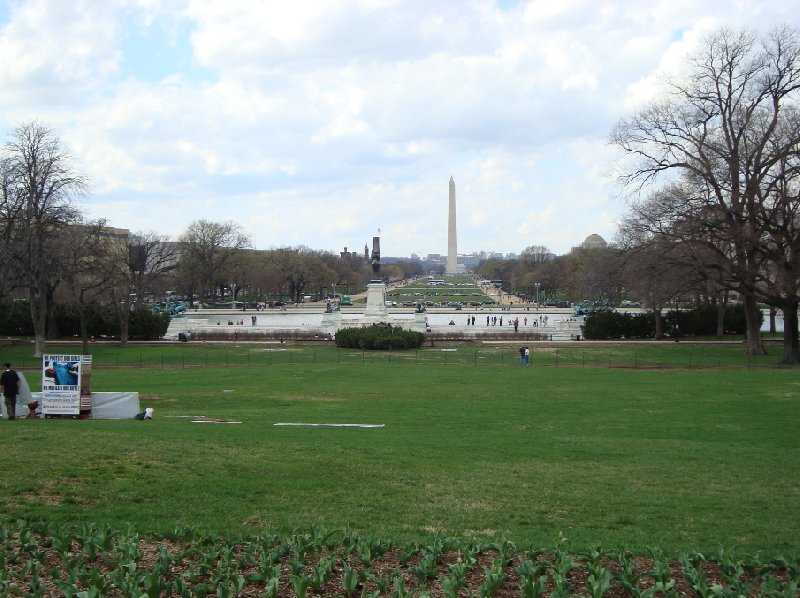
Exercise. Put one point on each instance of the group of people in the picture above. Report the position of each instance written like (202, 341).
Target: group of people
(495, 320)
(542, 321)
(524, 355)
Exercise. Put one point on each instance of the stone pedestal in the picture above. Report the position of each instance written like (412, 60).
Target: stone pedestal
(376, 303)
(420, 322)
(331, 322)
(570, 327)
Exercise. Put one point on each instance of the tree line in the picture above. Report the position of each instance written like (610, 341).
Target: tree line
(53, 257)
(715, 164)
(712, 167)
(215, 260)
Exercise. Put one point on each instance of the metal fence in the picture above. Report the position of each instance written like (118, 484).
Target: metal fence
(255, 355)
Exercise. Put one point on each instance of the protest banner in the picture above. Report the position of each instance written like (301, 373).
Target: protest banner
(62, 385)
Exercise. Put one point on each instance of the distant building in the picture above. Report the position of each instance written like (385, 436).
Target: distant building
(594, 241)
(470, 261)
(349, 256)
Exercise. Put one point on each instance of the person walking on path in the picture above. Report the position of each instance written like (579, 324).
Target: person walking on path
(9, 380)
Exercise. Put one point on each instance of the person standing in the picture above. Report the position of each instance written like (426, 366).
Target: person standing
(9, 380)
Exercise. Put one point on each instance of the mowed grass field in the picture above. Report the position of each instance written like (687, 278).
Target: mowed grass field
(675, 459)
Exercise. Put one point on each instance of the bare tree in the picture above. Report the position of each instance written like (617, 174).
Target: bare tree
(717, 127)
(133, 262)
(206, 247)
(38, 185)
(536, 254)
(655, 267)
(83, 277)
(593, 274)
(10, 208)
(152, 257)
(779, 280)
(301, 269)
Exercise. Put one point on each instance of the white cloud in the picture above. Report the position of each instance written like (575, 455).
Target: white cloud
(52, 53)
(318, 123)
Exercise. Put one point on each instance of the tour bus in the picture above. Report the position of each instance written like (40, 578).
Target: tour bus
(435, 282)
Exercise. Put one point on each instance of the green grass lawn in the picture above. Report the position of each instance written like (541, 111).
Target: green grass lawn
(455, 288)
(689, 459)
(576, 355)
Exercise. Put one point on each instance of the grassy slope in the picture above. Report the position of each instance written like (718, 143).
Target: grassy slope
(578, 354)
(689, 459)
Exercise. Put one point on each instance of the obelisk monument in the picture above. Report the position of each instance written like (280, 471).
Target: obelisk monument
(452, 250)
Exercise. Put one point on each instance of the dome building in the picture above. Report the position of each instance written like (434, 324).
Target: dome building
(594, 241)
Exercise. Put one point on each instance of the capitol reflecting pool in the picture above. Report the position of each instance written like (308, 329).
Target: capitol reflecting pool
(310, 318)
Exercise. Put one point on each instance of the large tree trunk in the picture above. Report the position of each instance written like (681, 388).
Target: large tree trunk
(52, 331)
(124, 318)
(721, 304)
(791, 346)
(659, 324)
(84, 329)
(39, 319)
(754, 344)
(773, 311)
(122, 306)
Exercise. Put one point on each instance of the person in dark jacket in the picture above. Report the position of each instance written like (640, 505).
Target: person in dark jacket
(9, 380)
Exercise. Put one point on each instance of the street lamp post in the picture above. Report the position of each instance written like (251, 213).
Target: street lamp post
(536, 284)
(233, 286)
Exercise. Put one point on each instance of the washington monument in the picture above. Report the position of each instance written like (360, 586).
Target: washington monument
(452, 251)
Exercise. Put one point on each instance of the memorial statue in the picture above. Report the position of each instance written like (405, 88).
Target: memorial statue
(375, 259)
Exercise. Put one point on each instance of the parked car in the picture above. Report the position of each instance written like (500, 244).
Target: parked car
(627, 303)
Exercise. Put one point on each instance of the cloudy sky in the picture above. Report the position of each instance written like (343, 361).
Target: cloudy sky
(318, 122)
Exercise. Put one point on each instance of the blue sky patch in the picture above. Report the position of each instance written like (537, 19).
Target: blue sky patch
(153, 53)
